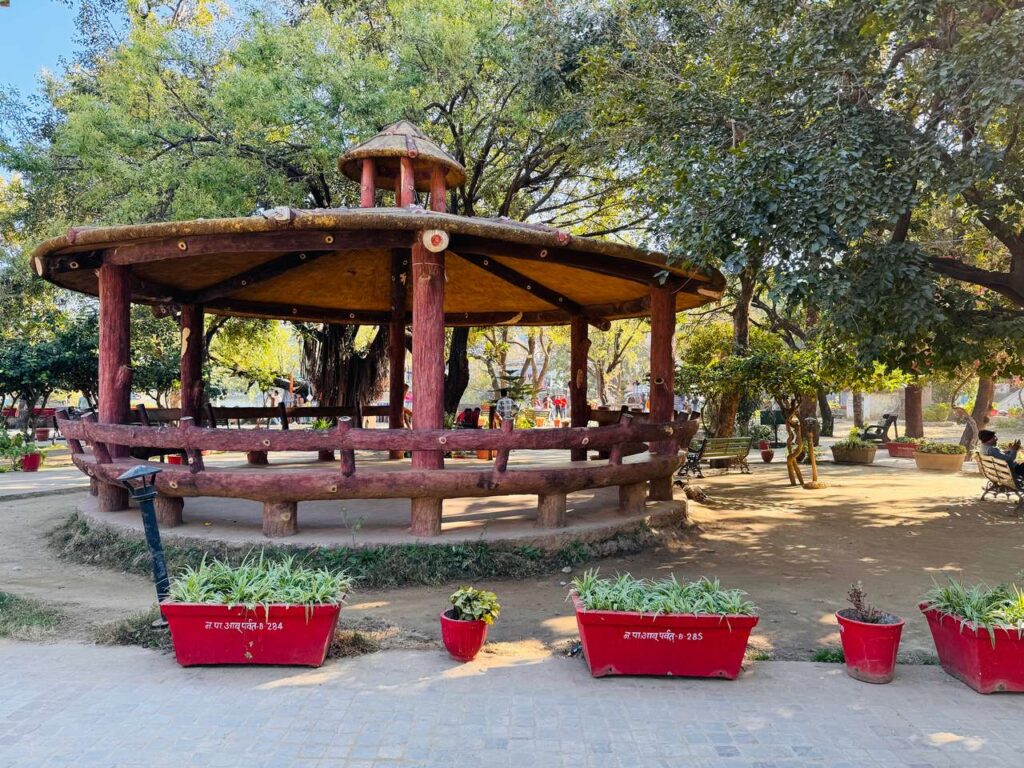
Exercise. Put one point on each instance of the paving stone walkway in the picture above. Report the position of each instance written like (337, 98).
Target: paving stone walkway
(83, 706)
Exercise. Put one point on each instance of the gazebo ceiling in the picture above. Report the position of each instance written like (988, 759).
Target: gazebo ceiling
(337, 266)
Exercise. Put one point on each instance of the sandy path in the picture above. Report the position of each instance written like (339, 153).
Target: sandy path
(795, 551)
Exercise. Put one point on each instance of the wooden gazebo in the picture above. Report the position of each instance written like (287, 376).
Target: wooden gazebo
(395, 266)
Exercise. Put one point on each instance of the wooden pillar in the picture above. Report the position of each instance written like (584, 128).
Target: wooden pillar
(663, 327)
(405, 193)
(427, 373)
(168, 510)
(438, 190)
(579, 411)
(191, 361)
(396, 343)
(368, 183)
(551, 510)
(115, 373)
(633, 498)
(280, 518)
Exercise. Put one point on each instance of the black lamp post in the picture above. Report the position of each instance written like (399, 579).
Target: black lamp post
(141, 484)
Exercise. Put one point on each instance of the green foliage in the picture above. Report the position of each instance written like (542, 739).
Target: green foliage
(936, 412)
(853, 442)
(26, 618)
(909, 440)
(259, 582)
(322, 424)
(14, 447)
(979, 606)
(828, 655)
(947, 449)
(760, 432)
(471, 604)
(624, 593)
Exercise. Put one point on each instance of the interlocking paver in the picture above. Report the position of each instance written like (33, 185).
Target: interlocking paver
(67, 705)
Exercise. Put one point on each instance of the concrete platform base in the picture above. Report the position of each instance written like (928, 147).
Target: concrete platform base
(590, 516)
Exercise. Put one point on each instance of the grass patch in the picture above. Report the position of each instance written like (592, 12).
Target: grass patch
(348, 643)
(756, 654)
(371, 567)
(828, 655)
(27, 619)
(136, 629)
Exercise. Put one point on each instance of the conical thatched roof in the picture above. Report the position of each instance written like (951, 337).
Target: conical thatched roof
(402, 139)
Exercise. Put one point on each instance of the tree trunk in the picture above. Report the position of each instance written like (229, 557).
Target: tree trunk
(858, 409)
(828, 419)
(457, 379)
(913, 411)
(730, 402)
(808, 410)
(982, 405)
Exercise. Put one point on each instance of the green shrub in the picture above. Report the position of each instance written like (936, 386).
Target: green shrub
(624, 593)
(852, 443)
(937, 412)
(910, 440)
(828, 655)
(259, 582)
(946, 449)
(980, 606)
(471, 604)
(760, 432)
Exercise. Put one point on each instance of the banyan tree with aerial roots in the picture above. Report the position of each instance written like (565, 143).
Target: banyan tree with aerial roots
(398, 266)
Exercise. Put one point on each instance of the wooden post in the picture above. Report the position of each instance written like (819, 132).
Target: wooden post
(280, 518)
(438, 190)
(551, 510)
(115, 373)
(191, 361)
(427, 373)
(168, 510)
(663, 327)
(405, 194)
(368, 183)
(396, 343)
(578, 409)
(633, 498)
(913, 411)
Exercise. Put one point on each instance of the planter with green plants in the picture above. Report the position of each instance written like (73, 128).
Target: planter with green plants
(464, 625)
(979, 633)
(20, 452)
(940, 457)
(641, 627)
(260, 612)
(870, 638)
(853, 450)
(904, 447)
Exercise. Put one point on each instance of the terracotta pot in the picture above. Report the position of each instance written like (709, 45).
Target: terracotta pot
(42, 434)
(767, 454)
(763, 445)
(869, 649)
(853, 455)
(462, 639)
(484, 455)
(940, 462)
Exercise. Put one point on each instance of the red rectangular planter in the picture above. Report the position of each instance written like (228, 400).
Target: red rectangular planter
(969, 655)
(901, 450)
(679, 645)
(284, 634)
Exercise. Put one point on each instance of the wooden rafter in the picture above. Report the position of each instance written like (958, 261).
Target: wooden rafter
(259, 274)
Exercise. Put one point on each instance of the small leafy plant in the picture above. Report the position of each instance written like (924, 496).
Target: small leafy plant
(322, 423)
(853, 442)
(15, 447)
(980, 606)
(471, 604)
(945, 449)
(909, 440)
(259, 582)
(624, 593)
(862, 610)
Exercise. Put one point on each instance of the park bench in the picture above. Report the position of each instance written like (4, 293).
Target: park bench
(999, 477)
(732, 451)
(879, 433)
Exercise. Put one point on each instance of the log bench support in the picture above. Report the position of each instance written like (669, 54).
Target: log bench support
(280, 518)
(551, 510)
(426, 517)
(325, 455)
(633, 498)
(168, 510)
(256, 458)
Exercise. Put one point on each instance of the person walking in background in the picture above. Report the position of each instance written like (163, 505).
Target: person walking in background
(506, 407)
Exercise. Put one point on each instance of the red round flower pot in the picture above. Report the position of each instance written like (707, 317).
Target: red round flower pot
(30, 463)
(869, 649)
(462, 639)
(42, 434)
(767, 454)
(763, 445)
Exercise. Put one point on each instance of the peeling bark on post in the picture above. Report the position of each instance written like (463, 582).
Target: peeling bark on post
(115, 380)
(427, 373)
(578, 408)
(191, 361)
(663, 325)
(280, 518)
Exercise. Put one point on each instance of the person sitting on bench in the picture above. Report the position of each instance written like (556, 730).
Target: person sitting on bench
(990, 447)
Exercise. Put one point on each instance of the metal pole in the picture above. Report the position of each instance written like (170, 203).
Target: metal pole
(145, 496)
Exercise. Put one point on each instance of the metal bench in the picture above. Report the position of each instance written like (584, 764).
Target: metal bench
(731, 450)
(1000, 478)
(879, 433)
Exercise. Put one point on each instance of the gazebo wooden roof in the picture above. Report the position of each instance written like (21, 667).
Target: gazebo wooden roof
(338, 265)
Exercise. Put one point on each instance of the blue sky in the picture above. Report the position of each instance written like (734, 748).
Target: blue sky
(34, 34)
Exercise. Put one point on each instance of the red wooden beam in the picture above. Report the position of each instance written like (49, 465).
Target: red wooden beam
(368, 183)
(192, 337)
(579, 409)
(663, 324)
(396, 342)
(115, 373)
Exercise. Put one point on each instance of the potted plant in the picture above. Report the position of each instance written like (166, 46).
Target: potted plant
(640, 627)
(940, 457)
(767, 453)
(870, 638)
(21, 453)
(42, 434)
(979, 633)
(464, 625)
(853, 450)
(260, 612)
(31, 458)
(903, 447)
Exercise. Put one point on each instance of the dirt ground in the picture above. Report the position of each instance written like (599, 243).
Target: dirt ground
(795, 551)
